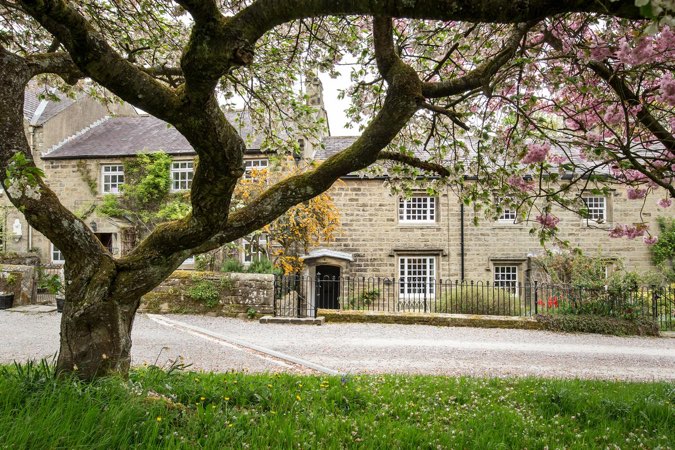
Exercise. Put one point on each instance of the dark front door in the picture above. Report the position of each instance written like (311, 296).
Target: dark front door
(106, 239)
(327, 287)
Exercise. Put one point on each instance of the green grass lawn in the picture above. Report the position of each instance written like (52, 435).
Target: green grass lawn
(202, 410)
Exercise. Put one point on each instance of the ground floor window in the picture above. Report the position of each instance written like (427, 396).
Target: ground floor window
(417, 276)
(506, 277)
(254, 248)
(57, 256)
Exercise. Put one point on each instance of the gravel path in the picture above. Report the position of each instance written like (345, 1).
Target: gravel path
(369, 348)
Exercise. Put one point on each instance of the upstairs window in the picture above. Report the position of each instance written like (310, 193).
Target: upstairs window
(254, 164)
(508, 212)
(420, 209)
(112, 178)
(181, 175)
(597, 208)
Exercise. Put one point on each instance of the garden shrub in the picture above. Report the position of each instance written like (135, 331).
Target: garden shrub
(205, 291)
(363, 300)
(232, 265)
(263, 265)
(587, 323)
(478, 300)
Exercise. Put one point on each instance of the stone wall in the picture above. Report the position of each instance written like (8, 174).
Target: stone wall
(238, 294)
(19, 280)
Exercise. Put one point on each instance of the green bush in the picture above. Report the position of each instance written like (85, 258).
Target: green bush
(641, 326)
(364, 299)
(477, 300)
(232, 265)
(206, 292)
(263, 265)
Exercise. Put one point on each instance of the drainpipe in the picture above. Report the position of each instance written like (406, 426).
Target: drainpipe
(461, 239)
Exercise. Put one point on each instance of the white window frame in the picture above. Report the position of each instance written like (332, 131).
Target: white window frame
(506, 279)
(417, 209)
(417, 276)
(248, 256)
(55, 251)
(108, 186)
(254, 164)
(593, 209)
(182, 173)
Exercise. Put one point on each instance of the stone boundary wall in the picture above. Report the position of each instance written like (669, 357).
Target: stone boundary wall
(238, 294)
(21, 281)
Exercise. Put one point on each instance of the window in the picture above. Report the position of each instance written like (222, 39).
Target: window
(57, 256)
(417, 276)
(181, 175)
(420, 209)
(508, 213)
(597, 208)
(112, 178)
(254, 164)
(254, 248)
(506, 277)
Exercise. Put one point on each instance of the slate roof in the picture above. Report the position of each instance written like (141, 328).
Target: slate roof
(127, 136)
(333, 145)
(37, 111)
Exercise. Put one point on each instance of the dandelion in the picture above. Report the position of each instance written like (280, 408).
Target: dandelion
(297, 397)
(227, 399)
(159, 418)
(202, 398)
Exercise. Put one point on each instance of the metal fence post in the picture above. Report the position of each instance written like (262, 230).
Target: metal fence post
(655, 301)
(536, 299)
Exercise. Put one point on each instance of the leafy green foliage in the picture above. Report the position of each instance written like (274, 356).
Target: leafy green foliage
(663, 251)
(50, 283)
(21, 167)
(600, 324)
(469, 300)
(363, 300)
(205, 291)
(263, 265)
(232, 265)
(155, 408)
(575, 269)
(146, 198)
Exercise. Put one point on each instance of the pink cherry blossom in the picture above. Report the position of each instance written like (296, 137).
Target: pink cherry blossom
(665, 203)
(628, 231)
(536, 153)
(634, 194)
(520, 184)
(667, 89)
(650, 240)
(548, 220)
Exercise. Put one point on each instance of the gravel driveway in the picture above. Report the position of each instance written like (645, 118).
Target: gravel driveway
(366, 348)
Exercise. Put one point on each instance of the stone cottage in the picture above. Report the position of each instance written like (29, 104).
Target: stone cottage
(81, 147)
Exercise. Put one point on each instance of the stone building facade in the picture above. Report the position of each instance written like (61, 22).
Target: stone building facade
(81, 145)
(48, 124)
(381, 238)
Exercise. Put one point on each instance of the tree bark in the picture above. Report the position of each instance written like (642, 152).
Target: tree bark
(96, 335)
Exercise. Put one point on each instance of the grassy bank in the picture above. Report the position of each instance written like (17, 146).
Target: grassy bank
(200, 410)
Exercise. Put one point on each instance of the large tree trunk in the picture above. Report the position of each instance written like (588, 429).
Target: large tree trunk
(96, 335)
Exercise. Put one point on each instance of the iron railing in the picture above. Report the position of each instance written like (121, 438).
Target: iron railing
(302, 296)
